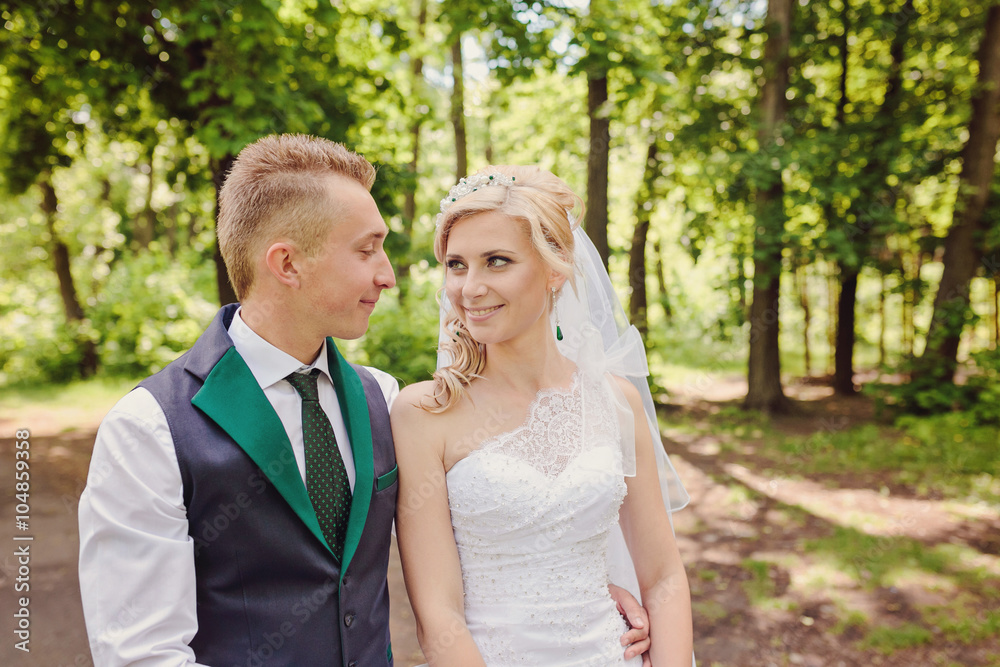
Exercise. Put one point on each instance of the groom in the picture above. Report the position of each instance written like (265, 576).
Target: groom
(239, 503)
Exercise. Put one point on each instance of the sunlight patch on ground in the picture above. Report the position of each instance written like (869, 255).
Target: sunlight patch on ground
(865, 510)
(923, 586)
(687, 385)
(817, 576)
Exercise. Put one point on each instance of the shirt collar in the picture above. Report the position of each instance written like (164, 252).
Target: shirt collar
(267, 363)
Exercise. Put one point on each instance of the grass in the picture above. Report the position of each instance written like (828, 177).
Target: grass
(943, 454)
(876, 561)
(851, 619)
(964, 620)
(892, 594)
(946, 455)
(62, 407)
(887, 640)
(760, 586)
(90, 393)
(710, 610)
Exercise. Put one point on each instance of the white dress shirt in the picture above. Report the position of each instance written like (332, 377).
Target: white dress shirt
(137, 572)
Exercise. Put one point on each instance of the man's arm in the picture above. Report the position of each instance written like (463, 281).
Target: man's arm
(387, 383)
(636, 638)
(137, 573)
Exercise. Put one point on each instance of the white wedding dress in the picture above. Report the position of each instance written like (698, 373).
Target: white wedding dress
(532, 511)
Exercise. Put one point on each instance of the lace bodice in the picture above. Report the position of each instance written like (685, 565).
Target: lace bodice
(532, 510)
(551, 435)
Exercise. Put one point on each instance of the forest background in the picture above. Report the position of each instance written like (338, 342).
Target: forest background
(829, 167)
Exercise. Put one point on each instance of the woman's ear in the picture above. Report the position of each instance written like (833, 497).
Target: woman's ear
(556, 280)
(279, 260)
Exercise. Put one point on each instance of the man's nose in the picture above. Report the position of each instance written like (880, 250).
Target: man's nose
(385, 277)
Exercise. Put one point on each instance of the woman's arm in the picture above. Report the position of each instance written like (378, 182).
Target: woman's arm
(431, 566)
(646, 526)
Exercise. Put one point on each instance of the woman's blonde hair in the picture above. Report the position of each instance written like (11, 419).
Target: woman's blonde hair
(280, 185)
(547, 207)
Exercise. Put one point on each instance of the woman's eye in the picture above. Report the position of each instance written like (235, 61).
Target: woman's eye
(454, 265)
(497, 262)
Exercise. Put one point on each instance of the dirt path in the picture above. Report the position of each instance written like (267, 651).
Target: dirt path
(763, 593)
(59, 462)
(788, 570)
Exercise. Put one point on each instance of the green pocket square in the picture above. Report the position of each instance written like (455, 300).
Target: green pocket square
(387, 480)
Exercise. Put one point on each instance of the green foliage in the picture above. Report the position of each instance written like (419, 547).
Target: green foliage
(152, 309)
(36, 343)
(927, 393)
(132, 95)
(403, 340)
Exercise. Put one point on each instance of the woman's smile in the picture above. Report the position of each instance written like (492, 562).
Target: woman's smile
(480, 314)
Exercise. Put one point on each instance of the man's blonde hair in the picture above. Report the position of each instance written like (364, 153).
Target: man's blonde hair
(279, 186)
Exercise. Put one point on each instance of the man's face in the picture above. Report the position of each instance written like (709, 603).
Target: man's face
(342, 282)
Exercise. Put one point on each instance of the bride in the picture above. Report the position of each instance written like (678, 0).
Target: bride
(529, 455)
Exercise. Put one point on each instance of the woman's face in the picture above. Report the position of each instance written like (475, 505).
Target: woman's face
(495, 279)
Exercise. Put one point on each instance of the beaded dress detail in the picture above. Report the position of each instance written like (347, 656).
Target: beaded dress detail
(532, 511)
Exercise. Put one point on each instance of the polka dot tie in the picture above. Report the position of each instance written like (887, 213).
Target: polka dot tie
(326, 477)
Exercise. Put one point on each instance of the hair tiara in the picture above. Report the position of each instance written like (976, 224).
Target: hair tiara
(471, 184)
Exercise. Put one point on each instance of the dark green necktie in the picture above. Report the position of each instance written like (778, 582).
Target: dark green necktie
(326, 477)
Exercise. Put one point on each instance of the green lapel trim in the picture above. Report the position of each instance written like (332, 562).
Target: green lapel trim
(354, 408)
(232, 399)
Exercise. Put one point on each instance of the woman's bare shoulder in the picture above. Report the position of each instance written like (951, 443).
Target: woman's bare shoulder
(410, 407)
(628, 389)
(413, 394)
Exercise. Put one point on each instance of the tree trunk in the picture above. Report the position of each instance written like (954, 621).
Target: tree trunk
(909, 301)
(802, 287)
(410, 197)
(661, 282)
(67, 288)
(764, 365)
(458, 109)
(638, 301)
(741, 281)
(881, 323)
(833, 298)
(963, 247)
(489, 136)
(170, 227)
(995, 301)
(596, 221)
(873, 190)
(843, 341)
(843, 364)
(220, 169)
(145, 222)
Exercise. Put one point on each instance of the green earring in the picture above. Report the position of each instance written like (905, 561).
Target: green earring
(555, 307)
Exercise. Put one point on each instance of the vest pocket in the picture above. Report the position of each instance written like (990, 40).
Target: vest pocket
(383, 482)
